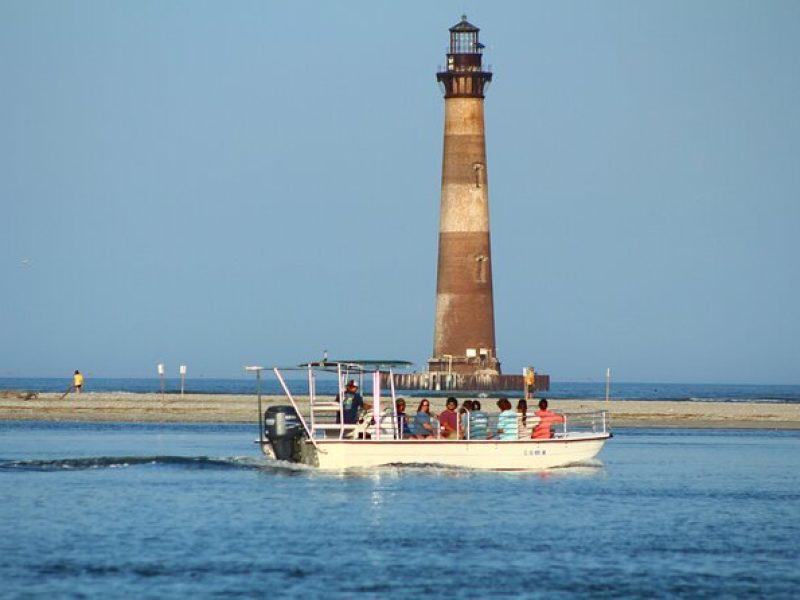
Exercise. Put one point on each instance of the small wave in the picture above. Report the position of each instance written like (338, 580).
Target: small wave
(117, 462)
(749, 400)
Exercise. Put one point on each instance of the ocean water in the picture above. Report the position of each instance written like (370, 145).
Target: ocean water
(559, 389)
(176, 511)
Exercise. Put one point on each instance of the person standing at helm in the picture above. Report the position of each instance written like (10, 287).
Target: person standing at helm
(352, 403)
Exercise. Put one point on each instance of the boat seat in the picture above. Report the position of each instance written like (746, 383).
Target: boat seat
(361, 430)
(326, 406)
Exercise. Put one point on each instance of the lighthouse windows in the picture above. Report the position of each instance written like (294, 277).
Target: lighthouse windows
(478, 168)
(481, 263)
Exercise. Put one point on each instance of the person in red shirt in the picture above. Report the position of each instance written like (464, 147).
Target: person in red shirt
(448, 419)
(544, 430)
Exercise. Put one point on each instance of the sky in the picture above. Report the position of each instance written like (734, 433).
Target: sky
(219, 184)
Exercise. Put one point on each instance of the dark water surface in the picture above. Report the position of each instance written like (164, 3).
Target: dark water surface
(176, 511)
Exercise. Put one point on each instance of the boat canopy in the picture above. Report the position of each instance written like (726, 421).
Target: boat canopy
(359, 364)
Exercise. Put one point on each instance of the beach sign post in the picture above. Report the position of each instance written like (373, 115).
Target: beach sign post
(608, 382)
(160, 368)
(182, 370)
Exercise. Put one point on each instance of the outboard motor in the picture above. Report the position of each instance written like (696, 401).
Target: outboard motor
(283, 428)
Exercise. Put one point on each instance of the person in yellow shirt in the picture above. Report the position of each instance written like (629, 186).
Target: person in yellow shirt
(530, 383)
(77, 381)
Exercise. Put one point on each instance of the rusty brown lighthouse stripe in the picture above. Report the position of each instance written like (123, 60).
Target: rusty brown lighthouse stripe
(464, 340)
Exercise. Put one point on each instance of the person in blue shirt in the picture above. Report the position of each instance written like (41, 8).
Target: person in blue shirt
(478, 422)
(403, 426)
(352, 403)
(506, 421)
(422, 421)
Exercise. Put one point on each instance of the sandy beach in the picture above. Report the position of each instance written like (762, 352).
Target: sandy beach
(211, 408)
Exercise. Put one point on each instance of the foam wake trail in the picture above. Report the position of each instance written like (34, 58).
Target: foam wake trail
(117, 462)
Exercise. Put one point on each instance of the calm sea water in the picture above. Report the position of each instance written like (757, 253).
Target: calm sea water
(176, 511)
(580, 390)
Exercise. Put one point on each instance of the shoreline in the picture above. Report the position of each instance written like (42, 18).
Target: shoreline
(231, 408)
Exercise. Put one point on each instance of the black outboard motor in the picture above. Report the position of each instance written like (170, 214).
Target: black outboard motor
(283, 428)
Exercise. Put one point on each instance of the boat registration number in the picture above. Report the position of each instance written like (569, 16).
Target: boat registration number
(537, 452)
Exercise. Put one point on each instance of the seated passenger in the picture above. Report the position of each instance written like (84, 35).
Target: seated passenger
(448, 419)
(422, 421)
(403, 427)
(544, 430)
(507, 421)
(522, 419)
(466, 408)
(478, 422)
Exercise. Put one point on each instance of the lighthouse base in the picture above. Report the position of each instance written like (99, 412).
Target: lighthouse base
(464, 382)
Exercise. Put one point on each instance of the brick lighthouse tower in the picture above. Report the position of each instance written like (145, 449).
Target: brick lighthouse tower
(464, 351)
(464, 341)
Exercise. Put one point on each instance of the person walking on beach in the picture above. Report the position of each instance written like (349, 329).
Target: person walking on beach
(530, 383)
(77, 382)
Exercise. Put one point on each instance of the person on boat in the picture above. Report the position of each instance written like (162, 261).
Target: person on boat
(478, 422)
(463, 412)
(448, 419)
(522, 419)
(506, 421)
(352, 403)
(77, 381)
(544, 429)
(403, 428)
(422, 421)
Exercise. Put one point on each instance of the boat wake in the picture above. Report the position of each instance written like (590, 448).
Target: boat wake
(120, 462)
(587, 468)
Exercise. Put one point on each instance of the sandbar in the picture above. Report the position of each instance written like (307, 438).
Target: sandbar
(224, 408)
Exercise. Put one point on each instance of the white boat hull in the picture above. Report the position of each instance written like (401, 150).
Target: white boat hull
(518, 455)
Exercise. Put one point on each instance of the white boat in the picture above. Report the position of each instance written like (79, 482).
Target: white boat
(319, 437)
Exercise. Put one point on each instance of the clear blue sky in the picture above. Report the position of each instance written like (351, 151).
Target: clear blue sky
(218, 184)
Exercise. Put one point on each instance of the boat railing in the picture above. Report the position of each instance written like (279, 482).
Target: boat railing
(582, 423)
(487, 426)
(480, 426)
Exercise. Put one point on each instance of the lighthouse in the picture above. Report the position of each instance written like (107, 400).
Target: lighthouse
(464, 351)
(463, 340)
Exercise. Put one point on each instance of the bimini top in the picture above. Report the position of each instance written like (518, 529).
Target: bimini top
(360, 364)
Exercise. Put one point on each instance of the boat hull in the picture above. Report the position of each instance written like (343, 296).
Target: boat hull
(515, 455)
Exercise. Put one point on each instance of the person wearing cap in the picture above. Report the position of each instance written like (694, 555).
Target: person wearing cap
(352, 403)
